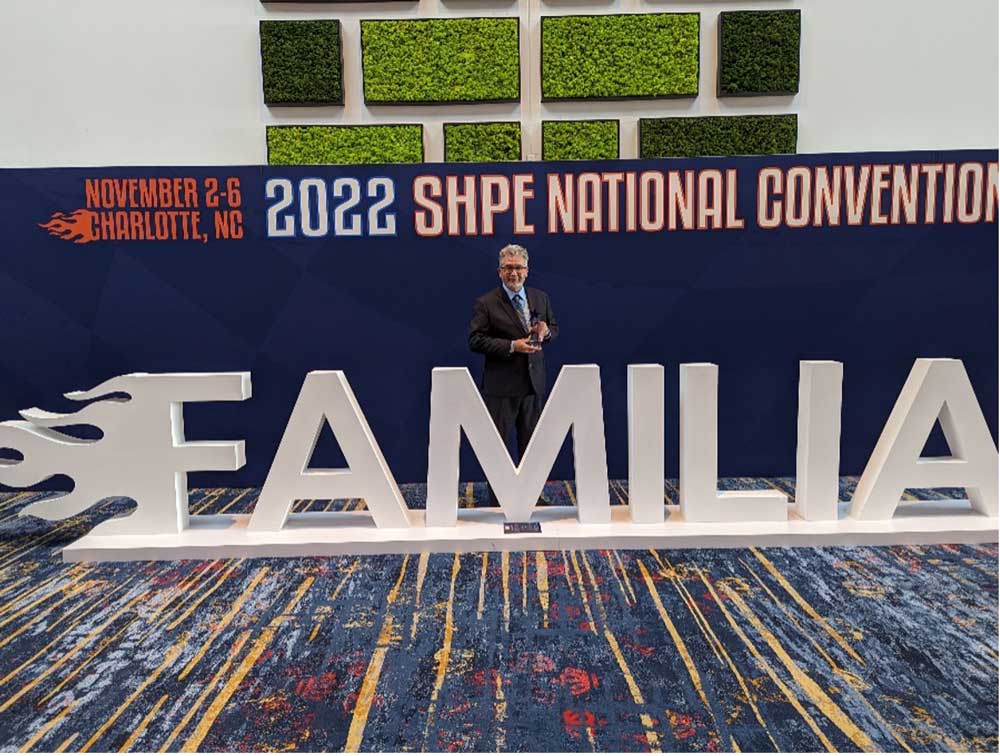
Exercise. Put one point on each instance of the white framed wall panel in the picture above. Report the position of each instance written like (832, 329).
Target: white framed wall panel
(119, 82)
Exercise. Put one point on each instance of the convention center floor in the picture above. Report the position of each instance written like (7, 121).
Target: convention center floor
(760, 649)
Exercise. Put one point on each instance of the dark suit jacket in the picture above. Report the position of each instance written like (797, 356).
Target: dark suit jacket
(495, 323)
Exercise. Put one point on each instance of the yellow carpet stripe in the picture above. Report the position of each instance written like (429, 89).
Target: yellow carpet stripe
(651, 737)
(230, 658)
(566, 575)
(218, 584)
(11, 509)
(505, 580)
(481, 604)
(223, 623)
(234, 501)
(29, 590)
(717, 647)
(258, 648)
(752, 648)
(66, 743)
(89, 606)
(137, 733)
(65, 657)
(421, 574)
(443, 654)
(168, 659)
(210, 498)
(836, 668)
(524, 582)
(9, 502)
(176, 591)
(366, 693)
(667, 571)
(499, 712)
(49, 726)
(805, 606)
(34, 543)
(608, 635)
(315, 630)
(614, 571)
(183, 591)
(57, 551)
(85, 586)
(347, 573)
(62, 589)
(333, 597)
(625, 577)
(15, 584)
(583, 592)
(679, 643)
(850, 679)
(979, 568)
(633, 687)
(815, 692)
(101, 647)
(542, 581)
(19, 598)
(949, 570)
(197, 495)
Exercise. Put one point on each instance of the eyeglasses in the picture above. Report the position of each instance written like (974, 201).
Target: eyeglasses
(513, 268)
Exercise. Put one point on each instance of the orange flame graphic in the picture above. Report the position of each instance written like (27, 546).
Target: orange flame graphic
(77, 227)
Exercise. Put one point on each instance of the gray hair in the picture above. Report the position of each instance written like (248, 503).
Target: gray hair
(513, 250)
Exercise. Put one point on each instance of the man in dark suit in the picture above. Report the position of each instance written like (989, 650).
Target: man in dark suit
(509, 324)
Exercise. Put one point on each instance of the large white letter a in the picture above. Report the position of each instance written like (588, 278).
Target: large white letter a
(326, 396)
(936, 389)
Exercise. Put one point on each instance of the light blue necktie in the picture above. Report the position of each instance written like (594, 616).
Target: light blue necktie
(521, 311)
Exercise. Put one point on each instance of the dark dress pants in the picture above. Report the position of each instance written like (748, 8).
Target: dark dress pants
(518, 413)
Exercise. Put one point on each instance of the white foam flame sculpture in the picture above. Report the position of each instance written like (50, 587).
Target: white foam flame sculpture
(142, 454)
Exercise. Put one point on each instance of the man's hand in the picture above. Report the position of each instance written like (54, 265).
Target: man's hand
(541, 328)
(525, 346)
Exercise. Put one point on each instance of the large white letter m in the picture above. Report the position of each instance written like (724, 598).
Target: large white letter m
(575, 402)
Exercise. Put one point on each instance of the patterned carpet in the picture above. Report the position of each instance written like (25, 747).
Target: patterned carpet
(848, 649)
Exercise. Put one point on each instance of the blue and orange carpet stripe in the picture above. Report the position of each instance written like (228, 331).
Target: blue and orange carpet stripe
(811, 649)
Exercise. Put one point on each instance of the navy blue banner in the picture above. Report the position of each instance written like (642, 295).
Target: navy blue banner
(751, 263)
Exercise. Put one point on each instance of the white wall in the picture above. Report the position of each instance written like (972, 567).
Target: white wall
(138, 82)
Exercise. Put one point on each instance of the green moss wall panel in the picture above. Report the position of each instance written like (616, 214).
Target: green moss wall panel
(345, 145)
(580, 140)
(642, 55)
(759, 52)
(441, 60)
(482, 142)
(717, 135)
(301, 62)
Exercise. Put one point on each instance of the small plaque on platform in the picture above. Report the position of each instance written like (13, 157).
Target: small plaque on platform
(521, 527)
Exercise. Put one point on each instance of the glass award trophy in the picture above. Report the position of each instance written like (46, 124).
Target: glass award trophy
(533, 338)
